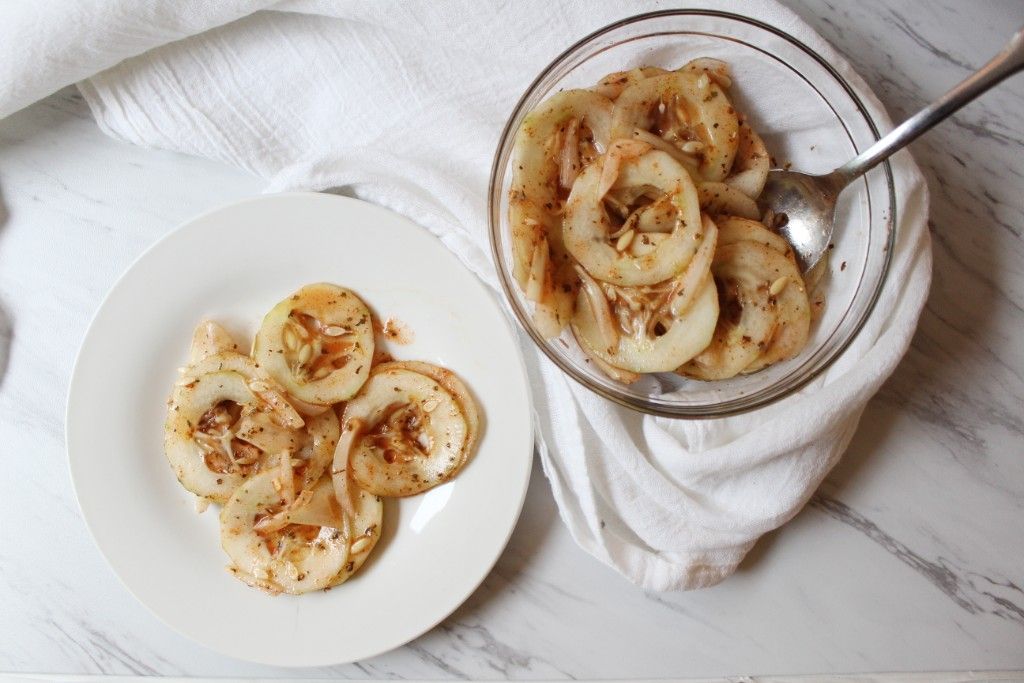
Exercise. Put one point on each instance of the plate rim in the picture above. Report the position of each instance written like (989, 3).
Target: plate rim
(75, 380)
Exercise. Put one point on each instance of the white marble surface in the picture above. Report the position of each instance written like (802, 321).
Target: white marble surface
(911, 557)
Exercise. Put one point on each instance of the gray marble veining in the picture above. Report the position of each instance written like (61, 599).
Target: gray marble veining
(911, 556)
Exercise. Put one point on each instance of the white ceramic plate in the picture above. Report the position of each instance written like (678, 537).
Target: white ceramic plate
(232, 265)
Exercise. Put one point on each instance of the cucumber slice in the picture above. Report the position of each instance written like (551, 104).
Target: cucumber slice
(459, 391)
(196, 442)
(588, 229)
(690, 331)
(407, 435)
(317, 343)
(765, 318)
(684, 106)
(295, 559)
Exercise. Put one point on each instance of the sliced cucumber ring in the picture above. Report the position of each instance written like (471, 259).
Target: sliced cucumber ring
(766, 316)
(573, 124)
(792, 315)
(366, 524)
(317, 343)
(199, 444)
(406, 434)
(259, 382)
(684, 108)
(554, 142)
(746, 321)
(658, 349)
(612, 85)
(318, 506)
(459, 391)
(719, 198)
(294, 558)
(595, 243)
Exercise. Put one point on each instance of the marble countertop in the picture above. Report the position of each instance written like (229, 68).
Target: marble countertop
(910, 557)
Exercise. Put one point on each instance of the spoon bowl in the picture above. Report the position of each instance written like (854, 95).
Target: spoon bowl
(804, 207)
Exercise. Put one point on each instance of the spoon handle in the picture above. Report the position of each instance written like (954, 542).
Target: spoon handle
(1005, 64)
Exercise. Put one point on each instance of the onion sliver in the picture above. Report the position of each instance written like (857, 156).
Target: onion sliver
(690, 281)
(208, 339)
(321, 438)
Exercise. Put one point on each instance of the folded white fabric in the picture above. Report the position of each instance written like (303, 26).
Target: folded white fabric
(402, 103)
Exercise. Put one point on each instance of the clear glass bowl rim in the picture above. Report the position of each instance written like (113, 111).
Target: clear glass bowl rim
(776, 392)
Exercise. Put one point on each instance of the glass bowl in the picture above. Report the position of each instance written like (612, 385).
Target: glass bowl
(808, 115)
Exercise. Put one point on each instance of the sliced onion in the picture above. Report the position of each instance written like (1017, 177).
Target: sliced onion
(697, 272)
(569, 159)
(263, 432)
(617, 374)
(538, 271)
(210, 338)
(351, 431)
(608, 333)
(618, 151)
(690, 162)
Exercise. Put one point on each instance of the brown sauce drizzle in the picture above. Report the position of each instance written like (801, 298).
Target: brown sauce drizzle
(397, 331)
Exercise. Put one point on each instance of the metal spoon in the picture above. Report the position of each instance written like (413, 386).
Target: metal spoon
(809, 201)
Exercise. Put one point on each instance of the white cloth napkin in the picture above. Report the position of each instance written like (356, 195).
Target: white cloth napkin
(402, 103)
